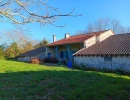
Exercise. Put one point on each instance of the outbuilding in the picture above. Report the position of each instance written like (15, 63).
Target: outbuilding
(111, 53)
(36, 53)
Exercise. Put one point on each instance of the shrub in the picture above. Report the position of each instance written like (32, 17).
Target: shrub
(35, 61)
(83, 67)
(75, 66)
(64, 62)
(106, 70)
(51, 60)
(120, 71)
(1, 53)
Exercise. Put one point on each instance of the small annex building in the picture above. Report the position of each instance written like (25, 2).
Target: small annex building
(112, 53)
(36, 53)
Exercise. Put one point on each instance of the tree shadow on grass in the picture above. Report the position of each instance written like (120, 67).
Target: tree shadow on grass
(63, 85)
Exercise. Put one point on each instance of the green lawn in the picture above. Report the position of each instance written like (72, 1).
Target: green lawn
(22, 81)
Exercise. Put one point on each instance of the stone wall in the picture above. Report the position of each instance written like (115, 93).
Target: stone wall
(24, 59)
(28, 59)
(99, 62)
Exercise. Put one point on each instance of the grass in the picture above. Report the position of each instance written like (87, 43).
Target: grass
(22, 81)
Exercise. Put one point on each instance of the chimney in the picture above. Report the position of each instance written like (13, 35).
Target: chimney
(97, 39)
(54, 38)
(67, 35)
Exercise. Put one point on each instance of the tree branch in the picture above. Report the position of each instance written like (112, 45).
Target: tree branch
(22, 12)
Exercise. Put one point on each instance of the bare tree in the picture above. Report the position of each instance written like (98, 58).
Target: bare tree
(16, 36)
(102, 24)
(105, 24)
(42, 43)
(24, 42)
(28, 11)
(90, 28)
(99, 25)
(115, 26)
(127, 30)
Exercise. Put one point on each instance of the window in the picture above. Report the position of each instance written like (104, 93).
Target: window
(107, 58)
(49, 55)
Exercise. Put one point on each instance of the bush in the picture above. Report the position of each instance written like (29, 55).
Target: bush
(51, 60)
(1, 53)
(1, 57)
(75, 66)
(120, 71)
(64, 62)
(83, 67)
(106, 70)
(35, 61)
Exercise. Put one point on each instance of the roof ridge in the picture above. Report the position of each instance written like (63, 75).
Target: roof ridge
(88, 33)
(76, 38)
(123, 34)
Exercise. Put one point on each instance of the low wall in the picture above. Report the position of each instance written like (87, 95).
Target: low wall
(99, 62)
(24, 59)
(28, 59)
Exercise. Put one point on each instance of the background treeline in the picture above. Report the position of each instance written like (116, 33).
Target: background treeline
(104, 24)
(16, 42)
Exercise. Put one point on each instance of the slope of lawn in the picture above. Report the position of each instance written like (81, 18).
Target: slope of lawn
(22, 81)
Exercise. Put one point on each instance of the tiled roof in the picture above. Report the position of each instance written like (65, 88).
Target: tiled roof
(75, 39)
(33, 52)
(114, 45)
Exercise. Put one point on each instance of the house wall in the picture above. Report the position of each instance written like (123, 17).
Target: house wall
(98, 62)
(105, 35)
(89, 42)
(95, 39)
(50, 50)
(76, 46)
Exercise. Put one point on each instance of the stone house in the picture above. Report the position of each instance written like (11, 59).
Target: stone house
(112, 53)
(36, 53)
(65, 48)
(101, 49)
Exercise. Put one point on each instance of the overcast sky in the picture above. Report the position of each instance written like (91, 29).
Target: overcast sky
(91, 10)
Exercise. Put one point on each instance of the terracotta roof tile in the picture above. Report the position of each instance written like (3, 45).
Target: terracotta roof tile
(114, 45)
(75, 39)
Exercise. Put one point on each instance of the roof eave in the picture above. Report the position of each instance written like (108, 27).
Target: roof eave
(64, 44)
